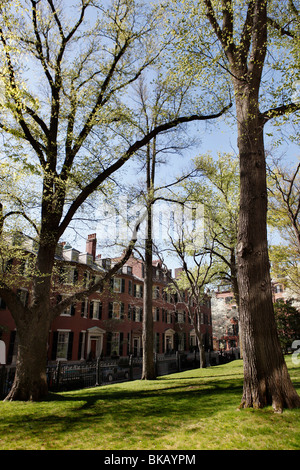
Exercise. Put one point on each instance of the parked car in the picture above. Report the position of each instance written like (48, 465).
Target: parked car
(114, 373)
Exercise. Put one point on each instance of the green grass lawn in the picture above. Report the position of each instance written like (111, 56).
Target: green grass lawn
(193, 410)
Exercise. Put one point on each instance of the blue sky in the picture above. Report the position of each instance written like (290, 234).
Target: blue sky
(213, 138)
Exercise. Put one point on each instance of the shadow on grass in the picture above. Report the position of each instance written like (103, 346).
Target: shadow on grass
(106, 416)
(130, 405)
(134, 411)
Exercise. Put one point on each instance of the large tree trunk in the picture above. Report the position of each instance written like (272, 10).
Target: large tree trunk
(30, 381)
(148, 372)
(266, 379)
(202, 357)
(33, 324)
(197, 326)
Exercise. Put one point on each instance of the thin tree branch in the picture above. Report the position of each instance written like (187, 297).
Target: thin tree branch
(279, 111)
(61, 306)
(90, 188)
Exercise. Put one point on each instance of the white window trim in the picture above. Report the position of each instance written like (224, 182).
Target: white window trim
(96, 309)
(117, 288)
(58, 358)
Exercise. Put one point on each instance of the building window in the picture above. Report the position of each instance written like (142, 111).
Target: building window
(64, 341)
(86, 278)
(138, 290)
(139, 314)
(84, 308)
(116, 310)
(118, 285)
(70, 276)
(127, 270)
(115, 344)
(96, 310)
(278, 288)
(155, 292)
(69, 311)
(180, 317)
(155, 312)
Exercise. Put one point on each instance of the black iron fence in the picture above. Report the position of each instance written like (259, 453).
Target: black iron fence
(63, 376)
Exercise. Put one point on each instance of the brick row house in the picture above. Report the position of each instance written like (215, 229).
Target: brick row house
(109, 323)
(225, 319)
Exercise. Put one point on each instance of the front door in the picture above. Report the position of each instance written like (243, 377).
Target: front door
(93, 351)
(94, 342)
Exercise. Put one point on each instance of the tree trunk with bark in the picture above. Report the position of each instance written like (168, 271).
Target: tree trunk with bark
(266, 379)
(148, 372)
(30, 383)
(195, 315)
(33, 325)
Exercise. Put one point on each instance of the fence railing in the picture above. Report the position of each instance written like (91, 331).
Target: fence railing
(63, 376)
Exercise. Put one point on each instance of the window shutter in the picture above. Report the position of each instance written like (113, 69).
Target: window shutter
(100, 310)
(108, 343)
(128, 344)
(121, 344)
(11, 346)
(72, 309)
(91, 309)
(82, 308)
(110, 310)
(70, 346)
(122, 311)
(54, 345)
(134, 290)
(80, 345)
(176, 341)
(157, 342)
(123, 286)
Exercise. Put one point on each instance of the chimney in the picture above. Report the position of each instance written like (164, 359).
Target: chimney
(91, 245)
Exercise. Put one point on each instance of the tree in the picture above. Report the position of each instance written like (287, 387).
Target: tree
(167, 95)
(284, 202)
(234, 38)
(285, 262)
(73, 123)
(216, 186)
(192, 281)
(287, 322)
(284, 217)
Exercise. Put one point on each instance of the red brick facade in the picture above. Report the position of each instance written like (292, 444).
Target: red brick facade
(109, 323)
